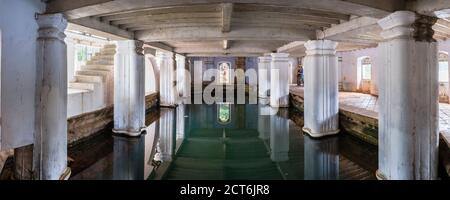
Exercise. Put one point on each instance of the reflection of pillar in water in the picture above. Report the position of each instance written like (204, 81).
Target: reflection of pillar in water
(128, 158)
(321, 158)
(279, 137)
(166, 133)
(180, 121)
(264, 112)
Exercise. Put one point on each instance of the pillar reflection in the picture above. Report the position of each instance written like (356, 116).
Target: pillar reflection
(166, 135)
(279, 136)
(321, 158)
(129, 157)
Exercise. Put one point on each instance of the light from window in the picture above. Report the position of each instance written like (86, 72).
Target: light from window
(367, 72)
(224, 73)
(443, 67)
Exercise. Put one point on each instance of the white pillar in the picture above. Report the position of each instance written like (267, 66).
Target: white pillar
(50, 142)
(264, 76)
(408, 115)
(167, 78)
(321, 158)
(181, 83)
(293, 67)
(279, 85)
(321, 88)
(129, 88)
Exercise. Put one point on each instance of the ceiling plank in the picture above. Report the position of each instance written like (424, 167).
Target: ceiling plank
(166, 18)
(85, 8)
(350, 29)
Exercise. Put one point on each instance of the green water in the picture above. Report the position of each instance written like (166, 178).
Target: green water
(232, 142)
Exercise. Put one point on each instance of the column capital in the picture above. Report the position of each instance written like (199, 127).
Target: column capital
(320, 47)
(279, 57)
(165, 54)
(52, 26)
(264, 59)
(407, 25)
(139, 47)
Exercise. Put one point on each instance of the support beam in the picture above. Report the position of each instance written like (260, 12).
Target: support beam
(350, 29)
(129, 88)
(430, 8)
(321, 89)
(227, 13)
(408, 114)
(97, 25)
(50, 142)
(159, 46)
(79, 9)
(291, 47)
(209, 33)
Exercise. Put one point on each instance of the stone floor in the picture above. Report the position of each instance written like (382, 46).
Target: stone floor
(366, 102)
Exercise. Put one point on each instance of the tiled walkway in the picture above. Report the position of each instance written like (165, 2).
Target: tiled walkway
(370, 103)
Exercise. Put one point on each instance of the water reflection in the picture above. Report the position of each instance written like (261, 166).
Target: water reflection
(191, 142)
(128, 158)
(321, 158)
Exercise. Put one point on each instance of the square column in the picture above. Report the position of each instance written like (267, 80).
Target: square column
(264, 76)
(167, 77)
(279, 80)
(408, 89)
(129, 88)
(50, 139)
(321, 88)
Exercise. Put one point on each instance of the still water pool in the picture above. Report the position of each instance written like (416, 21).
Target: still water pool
(224, 142)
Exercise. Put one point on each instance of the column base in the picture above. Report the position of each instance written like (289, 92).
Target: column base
(380, 176)
(319, 135)
(66, 174)
(168, 105)
(129, 133)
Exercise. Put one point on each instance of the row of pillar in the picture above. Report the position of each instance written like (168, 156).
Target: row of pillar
(408, 115)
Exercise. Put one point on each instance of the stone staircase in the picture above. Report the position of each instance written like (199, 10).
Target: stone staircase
(93, 84)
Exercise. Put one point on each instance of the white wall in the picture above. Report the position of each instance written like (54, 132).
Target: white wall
(18, 73)
(348, 68)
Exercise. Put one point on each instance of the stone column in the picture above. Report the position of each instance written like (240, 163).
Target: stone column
(279, 85)
(321, 88)
(408, 115)
(181, 65)
(264, 76)
(167, 78)
(293, 67)
(50, 142)
(321, 158)
(129, 88)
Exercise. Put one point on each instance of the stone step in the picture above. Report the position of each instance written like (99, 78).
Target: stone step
(98, 67)
(100, 62)
(109, 57)
(108, 51)
(82, 86)
(88, 79)
(104, 74)
(109, 46)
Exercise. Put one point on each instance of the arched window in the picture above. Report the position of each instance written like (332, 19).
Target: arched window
(224, 113)
(366, 69)
(224, 73)
(443, 67)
